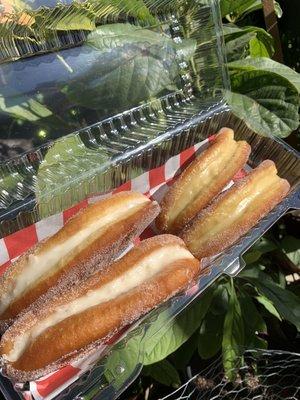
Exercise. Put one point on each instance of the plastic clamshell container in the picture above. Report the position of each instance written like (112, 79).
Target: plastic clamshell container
(116, 141)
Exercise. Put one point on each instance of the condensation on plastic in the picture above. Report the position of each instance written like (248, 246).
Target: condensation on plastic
(119, 147)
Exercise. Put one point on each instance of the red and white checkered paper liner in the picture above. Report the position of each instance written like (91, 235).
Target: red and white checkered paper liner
(153, 184)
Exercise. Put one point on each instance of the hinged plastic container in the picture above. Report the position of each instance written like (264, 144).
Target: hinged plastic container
(112, 91)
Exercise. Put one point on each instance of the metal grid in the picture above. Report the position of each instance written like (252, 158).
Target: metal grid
(262, 375)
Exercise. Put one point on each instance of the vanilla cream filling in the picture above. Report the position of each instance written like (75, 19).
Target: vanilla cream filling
(40, 265)
(140, 272)
(229, 213)
(201, 181)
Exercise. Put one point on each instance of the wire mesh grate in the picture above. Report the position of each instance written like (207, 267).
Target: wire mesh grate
(261, 375)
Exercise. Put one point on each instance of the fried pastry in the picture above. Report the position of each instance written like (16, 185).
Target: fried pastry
(235, 211)
(202, 180)
(58, 330)
(90, 240)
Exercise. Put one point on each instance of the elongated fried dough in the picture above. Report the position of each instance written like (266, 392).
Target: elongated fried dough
(235, 211)
(87, 242)
(202, 180)
(60, 329)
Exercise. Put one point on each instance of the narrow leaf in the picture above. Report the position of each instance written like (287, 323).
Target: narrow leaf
(233, 335)
(174, 334)
(210, 335)
(286, 303)
(268, 306)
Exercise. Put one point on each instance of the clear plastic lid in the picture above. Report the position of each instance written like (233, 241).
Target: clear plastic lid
(105, 80)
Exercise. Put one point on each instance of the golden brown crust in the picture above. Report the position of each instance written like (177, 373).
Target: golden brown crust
(222, 160)
(201, 236)
(59, 343)
(104, 248)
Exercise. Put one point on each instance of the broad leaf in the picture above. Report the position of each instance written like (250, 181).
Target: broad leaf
(123, 362)
(210, 335)
(163, 372)
(129, 65)
(268, 305)
(267, 65)
(61, 172)
(285, 302)
(253, 322)
(182, 356)
(245, 41)
(233, 334)
(234, 6)
(267, 102)
(177, 332)
(257, 48)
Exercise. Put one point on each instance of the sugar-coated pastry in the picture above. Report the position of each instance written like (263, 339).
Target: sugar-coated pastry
(58, 330)
(91, 239)
(202, 180)
(235, 211)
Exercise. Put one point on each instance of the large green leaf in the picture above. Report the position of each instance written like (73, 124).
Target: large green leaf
(124, 361)
(163, 372)
(210, 335)
(174, 334)
(240, 8)
(267, 65)
(245, 41)
(253, 322)
(233, 334)
(285, 302)
(131, 65)
(267, 102)
(182, 356)
(60, 176)
(235, 6)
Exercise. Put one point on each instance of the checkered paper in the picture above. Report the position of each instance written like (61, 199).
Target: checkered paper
(153, 184)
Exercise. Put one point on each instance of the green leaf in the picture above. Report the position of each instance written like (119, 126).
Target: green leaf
(291, 246)
(267, 102)
(164, 373)
(262, 246)
(61, 172)
(258, 48)
(253, 322)
(182, 356)
(285, 302)
(131, 65)
(123, 361)
(178, 331)
(238, 47)
(267, 65)
(233, 334)
(268, 306)
(235, 6)
(210, 335)
(242, 42)
(219, 305)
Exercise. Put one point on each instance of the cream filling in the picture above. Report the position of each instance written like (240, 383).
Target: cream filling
(144, 270)
(39, 265)
(222, 220)
(201, 181)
